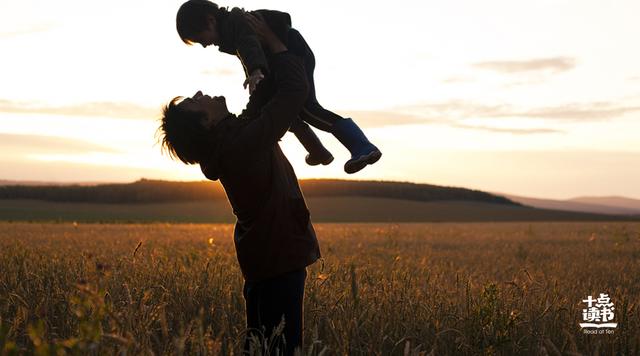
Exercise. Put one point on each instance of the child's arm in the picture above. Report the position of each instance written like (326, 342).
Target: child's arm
(276, 116)
(248, 48)
(291, 87)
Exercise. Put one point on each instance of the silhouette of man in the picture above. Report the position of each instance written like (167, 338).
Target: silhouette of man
(273, 235)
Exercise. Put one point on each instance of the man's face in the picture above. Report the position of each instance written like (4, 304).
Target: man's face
(209, 36)
(215, 107)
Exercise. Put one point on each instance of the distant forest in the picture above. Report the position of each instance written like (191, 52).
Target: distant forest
(157, 191)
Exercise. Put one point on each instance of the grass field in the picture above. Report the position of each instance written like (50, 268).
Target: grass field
(382, 289)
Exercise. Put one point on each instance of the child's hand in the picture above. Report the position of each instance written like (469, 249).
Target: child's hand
(253, 80)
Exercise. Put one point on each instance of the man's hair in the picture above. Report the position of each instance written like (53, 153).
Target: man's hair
(182, 134)
(192, 18)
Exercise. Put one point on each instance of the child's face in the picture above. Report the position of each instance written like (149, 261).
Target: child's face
(209, 36)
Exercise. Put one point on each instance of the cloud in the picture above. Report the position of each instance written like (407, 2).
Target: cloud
(93, 109)
(11, 144)
(444, 114)
(514, 131)
(219, 72)
(553, 64)
(458, 110)
(454, 110)
(454, 80)
(35, 170)
(580, 112)
(372, 119)
(453, 113)
(527, 82)
(27, 30)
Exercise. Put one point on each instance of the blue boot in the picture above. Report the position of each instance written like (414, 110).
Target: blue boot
(362, 151)
(318, 154)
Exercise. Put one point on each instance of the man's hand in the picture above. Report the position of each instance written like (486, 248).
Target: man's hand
(265, 33)
(253, 80)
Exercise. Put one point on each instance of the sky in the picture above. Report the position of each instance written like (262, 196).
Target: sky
(533, 98)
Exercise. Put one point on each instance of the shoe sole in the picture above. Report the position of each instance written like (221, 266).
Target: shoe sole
(357, 165)
(324, 163)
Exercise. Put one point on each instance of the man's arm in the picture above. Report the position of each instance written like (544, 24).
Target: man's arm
(276, 116)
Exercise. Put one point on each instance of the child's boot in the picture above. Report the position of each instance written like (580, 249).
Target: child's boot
(318, 154)
(362, 151)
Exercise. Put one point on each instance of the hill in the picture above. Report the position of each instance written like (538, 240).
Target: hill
(617, 202)
(598, 205)
(156, 191)
(5, 182)
(328, 200)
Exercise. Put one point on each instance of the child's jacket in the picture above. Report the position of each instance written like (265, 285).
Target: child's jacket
(238, 38)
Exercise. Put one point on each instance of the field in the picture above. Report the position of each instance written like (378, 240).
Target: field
(382, 289)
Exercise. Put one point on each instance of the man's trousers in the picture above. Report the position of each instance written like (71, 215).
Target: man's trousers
(268, 301)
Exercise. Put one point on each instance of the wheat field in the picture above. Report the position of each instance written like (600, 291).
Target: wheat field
(381, 289)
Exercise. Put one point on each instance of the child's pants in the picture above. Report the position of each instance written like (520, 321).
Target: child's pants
(313, 113)
(267, 301)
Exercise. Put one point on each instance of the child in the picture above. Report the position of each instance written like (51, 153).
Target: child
(203, 22)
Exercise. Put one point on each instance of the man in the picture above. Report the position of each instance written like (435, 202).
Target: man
(273, 236)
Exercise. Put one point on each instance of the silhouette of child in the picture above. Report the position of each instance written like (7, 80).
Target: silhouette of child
(203, 22)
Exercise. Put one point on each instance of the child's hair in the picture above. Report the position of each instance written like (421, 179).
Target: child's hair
(192, 18)
(182, 134)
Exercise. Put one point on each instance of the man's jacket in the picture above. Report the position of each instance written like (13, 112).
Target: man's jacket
(273, 232)
(239, 39)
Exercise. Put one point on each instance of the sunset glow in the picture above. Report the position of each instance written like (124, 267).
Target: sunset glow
(537, 98)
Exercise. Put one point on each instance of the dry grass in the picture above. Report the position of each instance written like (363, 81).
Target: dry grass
(458, 289)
